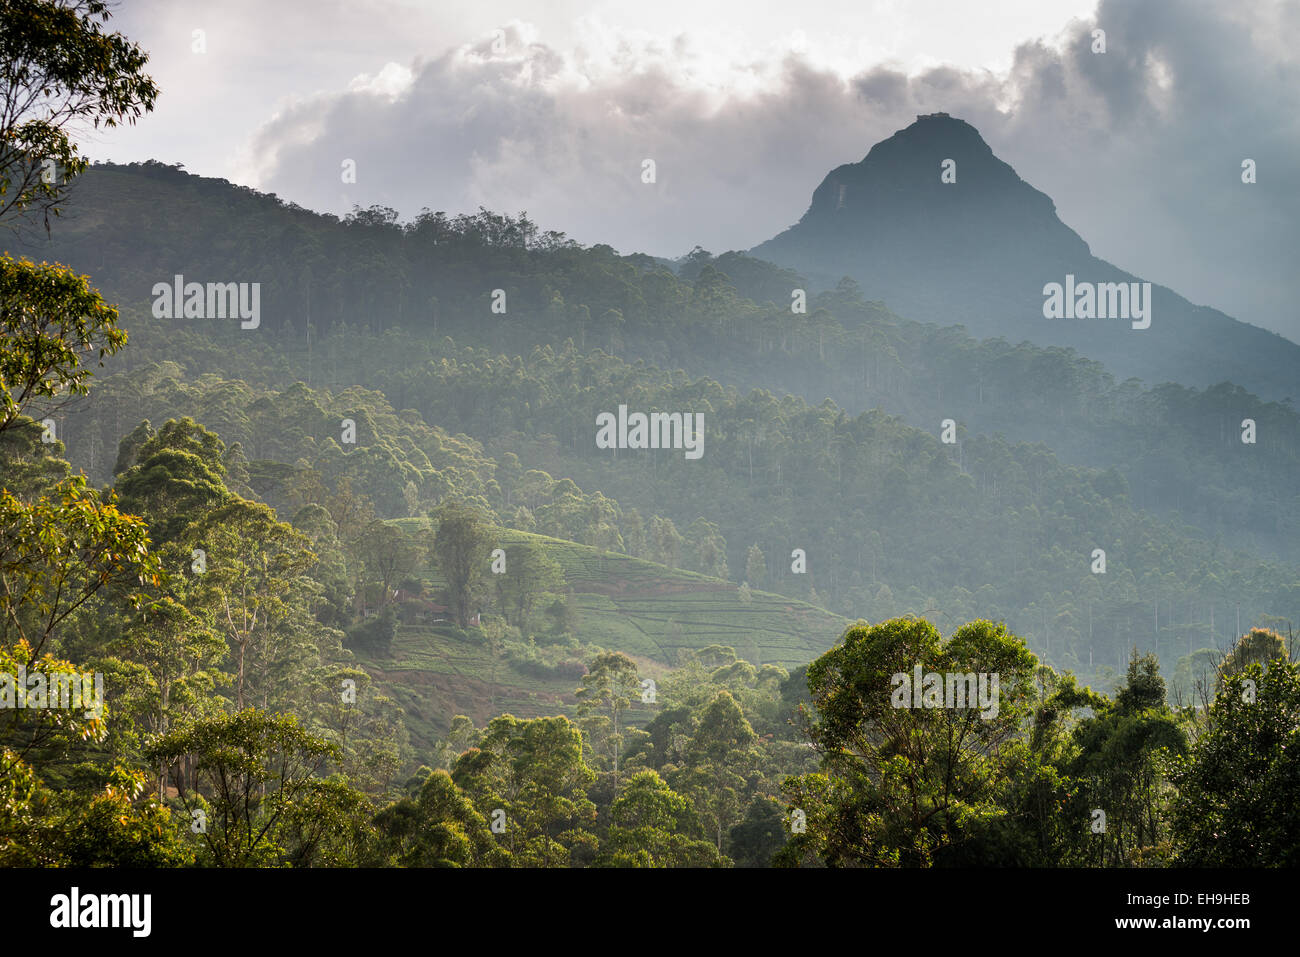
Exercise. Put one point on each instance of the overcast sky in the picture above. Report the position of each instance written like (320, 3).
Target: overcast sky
(745, 105)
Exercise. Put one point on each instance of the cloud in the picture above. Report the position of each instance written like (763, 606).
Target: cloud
(1140, 146)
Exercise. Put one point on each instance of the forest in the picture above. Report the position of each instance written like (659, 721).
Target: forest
(359, 588)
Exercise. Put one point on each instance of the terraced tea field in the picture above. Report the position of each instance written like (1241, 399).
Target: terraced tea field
(648, 611)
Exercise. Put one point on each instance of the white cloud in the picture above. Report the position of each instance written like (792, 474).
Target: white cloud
(392, 81)
(1140, 146)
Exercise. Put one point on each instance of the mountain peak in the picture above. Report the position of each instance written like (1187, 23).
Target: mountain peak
(937, 129)
(933, 223)
(940, 121)
(936, 182)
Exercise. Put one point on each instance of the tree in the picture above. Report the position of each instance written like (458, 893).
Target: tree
(1236, 805)
(58, 552)
(107, 825)
(177, 478)
(721, 765)
(129, 446)
(29, 727)
(532, 772)
(665, 542)
(61, 71)
(1118, 757)
(51, 320)
(390, 556)
(755, 566)
(462, 542)
(531, 577)
(365, 723)
(1259, 645)
(563, 613)
(256, 591)
(707, 548)
(606, 693)
(237, 473)
(167, 661)
(651, 826)
(253, 774)
(461, 736)
(439, 828)
(352, 512)
(756, 839)
(634, 533)
(903, 783)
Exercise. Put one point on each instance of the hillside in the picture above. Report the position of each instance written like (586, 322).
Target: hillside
(382, 298)
(649, 611)
(1199, 526)
(893, 520)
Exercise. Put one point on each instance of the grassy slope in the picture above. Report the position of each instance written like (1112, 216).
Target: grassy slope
(646, 610)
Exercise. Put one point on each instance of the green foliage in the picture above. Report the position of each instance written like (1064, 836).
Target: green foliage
(1118, 764)
(651, 828)
(163, 668)
(532, 578)
(58, 552)
(904, 784)
(707, 548)
(755, 566)
(760, 836)
(534, 772)
(177, 476)
(374, 636)
(439, 828)
(49, 319)
(605, 695)
(1260, 646)
(462, 540)
(252, 775)
(105, 827)
(220, 627)
(61, 70)
(719, 767)
(257, 593)
(1235, 805)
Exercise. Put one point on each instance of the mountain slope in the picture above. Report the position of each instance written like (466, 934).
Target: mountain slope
(980, 250)
(651, 612)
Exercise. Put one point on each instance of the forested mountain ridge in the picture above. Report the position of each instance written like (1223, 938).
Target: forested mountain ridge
(978, 248)
(540, 408)
(726, 318)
